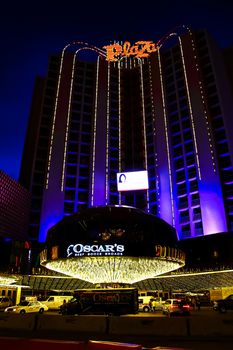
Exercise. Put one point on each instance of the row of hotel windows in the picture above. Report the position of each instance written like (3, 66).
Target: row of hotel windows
(137, 200)
(195, 215)
(180, 162)
(190, 187)
(187, 201)
(187, 232)
(189, 172)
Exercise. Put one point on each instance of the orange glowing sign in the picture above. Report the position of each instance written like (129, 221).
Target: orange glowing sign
(140, 49)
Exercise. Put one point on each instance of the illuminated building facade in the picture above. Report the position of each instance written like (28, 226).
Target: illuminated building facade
(169, 113)
(14, 219)
(14, 209)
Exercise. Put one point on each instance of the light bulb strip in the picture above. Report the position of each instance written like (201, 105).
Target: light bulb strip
(190, 109)
(119, 127)
(114, 269)
(107, 137)
(144, 128)
(94, 134)
(54, 117)
(201, 89)
(167, 140)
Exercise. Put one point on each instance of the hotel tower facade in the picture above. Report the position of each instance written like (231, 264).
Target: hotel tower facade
(169, 113)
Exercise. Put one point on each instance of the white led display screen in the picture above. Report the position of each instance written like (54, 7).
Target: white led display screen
(130, 181)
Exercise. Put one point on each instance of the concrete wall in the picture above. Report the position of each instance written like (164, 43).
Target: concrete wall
(37, 325)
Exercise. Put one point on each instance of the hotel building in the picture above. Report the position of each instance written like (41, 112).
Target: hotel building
(169, 113)
(14, 209)
(14, 220)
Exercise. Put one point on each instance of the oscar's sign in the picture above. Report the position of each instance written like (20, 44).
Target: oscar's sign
(140, 49)
(95, 249)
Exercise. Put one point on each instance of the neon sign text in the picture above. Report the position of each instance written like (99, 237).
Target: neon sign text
(95, 249)
(140, 49)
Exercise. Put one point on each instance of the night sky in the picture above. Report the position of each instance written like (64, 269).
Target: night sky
(31, 31)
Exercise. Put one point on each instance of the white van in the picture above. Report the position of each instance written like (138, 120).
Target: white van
(143, 303)
(55, 301)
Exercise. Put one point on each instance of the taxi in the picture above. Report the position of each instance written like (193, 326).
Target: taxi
(27, 307)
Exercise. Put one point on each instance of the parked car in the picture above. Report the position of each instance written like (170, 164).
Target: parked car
(27, 306)
(223, 305)
(5, 302)
(176, 307)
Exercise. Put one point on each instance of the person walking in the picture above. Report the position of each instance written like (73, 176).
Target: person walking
(153, 305)
(150, 305)
(198, 303)
(193, 301)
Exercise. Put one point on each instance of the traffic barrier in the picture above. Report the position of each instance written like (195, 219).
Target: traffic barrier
(207, 326)
(148, 326)
(38, 344)
(87, 323)
(17, 322)
(108, 345)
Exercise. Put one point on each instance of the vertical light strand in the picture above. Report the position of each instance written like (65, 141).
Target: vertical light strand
(54, 117)
(119, 118)
(107, 137)
(144, 129)
(68, 122)
(190, 109)
(210, 140)
(154, 130)
(166, 135)
(94, 133)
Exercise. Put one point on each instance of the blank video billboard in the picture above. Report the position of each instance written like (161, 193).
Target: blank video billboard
(130, 181)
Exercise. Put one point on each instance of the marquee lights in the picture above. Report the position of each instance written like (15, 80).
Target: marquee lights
(6, 280)
(113, 269)
(140, 49)
(106, 263)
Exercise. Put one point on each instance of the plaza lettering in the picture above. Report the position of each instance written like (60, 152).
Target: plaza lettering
(140, 49)
(95, 249)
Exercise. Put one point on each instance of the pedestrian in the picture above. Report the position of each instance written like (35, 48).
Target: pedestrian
(154, 304)
(150, 305)
(63, 307)
(198, 303)
(193, 301)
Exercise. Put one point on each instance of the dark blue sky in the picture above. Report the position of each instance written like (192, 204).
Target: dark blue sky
(31, 31)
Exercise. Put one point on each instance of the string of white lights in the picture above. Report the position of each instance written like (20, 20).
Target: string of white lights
(68, 122)
(107, 137)
(119, 127)
(166, 135)
(144, 128)
(54, 117)
(115, 269)
(94, 133)
(190, 109)
(210, 137)
(154, 131)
